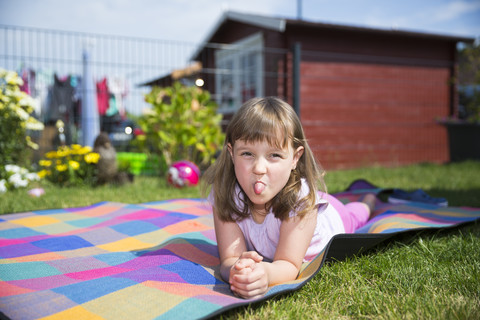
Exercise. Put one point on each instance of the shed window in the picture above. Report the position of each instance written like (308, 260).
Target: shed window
(239, 74)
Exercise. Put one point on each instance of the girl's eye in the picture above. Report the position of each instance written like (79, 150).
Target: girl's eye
(276, 155)
(246, 154)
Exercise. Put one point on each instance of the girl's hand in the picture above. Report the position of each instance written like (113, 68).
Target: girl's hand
(247, 260)
(248, 276)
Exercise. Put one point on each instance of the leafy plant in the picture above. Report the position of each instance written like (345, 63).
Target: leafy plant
(70, 166)
(182, 125)
(469, 85)
(16, 108)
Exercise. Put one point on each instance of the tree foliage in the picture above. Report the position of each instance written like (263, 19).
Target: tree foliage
(469, 82)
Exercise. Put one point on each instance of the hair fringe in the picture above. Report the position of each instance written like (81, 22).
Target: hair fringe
(259, 119)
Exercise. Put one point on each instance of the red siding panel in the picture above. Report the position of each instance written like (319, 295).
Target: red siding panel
(362, 114)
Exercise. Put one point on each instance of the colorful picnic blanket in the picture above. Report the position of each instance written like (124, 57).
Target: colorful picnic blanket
(152, 261)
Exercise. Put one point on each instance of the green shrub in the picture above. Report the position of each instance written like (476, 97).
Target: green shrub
(182, 125)
(469, 83)
(15, 120)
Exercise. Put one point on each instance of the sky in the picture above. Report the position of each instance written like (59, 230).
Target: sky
(192, 20)
(189, 22)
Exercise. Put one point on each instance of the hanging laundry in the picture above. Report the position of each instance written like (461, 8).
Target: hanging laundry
(44, 81)
(103, 96)
(61, 102)
(62, 105)
(28, 77)
(118, 88)
(112, 106)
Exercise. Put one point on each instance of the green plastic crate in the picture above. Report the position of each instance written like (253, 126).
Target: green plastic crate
(140, 163)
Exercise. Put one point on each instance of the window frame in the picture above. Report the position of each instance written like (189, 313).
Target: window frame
(229, 72)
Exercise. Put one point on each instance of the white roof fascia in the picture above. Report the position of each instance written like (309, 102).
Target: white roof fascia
(276, 24)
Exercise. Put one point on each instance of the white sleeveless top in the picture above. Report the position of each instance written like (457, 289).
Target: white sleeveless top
(263, 237)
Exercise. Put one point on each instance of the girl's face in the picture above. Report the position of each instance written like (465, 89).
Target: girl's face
(262, 170)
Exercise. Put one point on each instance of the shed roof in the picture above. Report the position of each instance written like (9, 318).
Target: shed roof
(281, 24)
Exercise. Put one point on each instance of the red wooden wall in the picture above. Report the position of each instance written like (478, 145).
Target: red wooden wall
(358, 114)
(366, 96)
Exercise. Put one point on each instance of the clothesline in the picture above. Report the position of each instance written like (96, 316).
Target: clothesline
(59, 97)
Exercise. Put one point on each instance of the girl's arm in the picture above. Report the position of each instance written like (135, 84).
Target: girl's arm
(231, 244)
(295, 237)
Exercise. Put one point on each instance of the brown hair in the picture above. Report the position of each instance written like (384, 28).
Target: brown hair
(273, 120)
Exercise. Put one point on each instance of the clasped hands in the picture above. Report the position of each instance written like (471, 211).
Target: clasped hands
(248, 276)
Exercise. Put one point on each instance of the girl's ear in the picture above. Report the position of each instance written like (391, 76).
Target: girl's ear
(297, 155)
(230, 150)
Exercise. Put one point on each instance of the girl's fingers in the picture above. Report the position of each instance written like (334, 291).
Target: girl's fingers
(248, 259)
(244, 263)
(249, 294)
(252, 255)
(246, 277)
(250, 281)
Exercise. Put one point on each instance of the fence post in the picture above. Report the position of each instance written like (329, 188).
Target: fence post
(297, 51)
(90, 117)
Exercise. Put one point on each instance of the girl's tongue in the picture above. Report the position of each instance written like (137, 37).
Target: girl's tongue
(258, 187)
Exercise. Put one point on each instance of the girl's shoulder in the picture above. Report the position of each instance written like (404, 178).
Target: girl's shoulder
(305, 191)
(321, 200)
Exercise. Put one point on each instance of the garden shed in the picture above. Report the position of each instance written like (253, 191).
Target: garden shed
(365, 96)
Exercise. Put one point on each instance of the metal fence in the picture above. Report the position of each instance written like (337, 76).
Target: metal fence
(45, 53)
(348, 106)
(53, 65)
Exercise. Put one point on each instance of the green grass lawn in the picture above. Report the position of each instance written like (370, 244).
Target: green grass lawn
(431, 275)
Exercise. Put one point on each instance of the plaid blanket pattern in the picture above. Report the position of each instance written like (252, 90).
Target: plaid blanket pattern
(148, 261)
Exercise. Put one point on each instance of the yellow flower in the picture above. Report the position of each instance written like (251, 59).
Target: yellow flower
(34, 124)
(92, 157)
(63, 152)
(12, 78)
(74, 164)
(62, 167)
(22, 114)
(84, 150)
(51, 155)
(43, 173)
(76, 149)
(31, 144)
(45, 163)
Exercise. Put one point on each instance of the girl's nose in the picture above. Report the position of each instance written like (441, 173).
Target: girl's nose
(260, 166)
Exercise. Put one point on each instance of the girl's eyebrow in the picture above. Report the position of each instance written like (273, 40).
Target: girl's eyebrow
(242, 148)
(278, 149)
(282, 151)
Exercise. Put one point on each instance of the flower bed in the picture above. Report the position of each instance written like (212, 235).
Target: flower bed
(70, 165)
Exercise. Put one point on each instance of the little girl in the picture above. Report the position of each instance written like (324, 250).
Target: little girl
(268, 213)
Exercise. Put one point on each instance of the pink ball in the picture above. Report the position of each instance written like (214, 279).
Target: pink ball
(183, 174)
